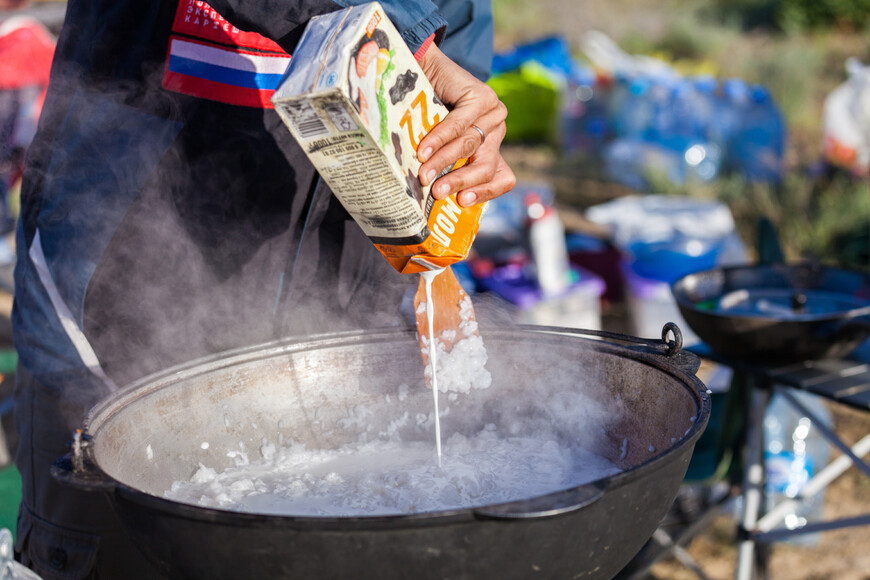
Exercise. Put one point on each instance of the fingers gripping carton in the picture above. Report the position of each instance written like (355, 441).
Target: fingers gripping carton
(359, 104)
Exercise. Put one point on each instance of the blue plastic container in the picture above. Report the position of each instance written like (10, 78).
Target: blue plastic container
(585, 123)
(670, 260)
(551, 52)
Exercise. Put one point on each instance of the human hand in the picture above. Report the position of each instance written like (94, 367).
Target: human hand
(486, 175)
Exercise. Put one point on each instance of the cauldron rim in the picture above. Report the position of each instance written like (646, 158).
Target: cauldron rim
(650, 353)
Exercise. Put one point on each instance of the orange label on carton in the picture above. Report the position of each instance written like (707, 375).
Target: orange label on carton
(359, 104)
(451, 232)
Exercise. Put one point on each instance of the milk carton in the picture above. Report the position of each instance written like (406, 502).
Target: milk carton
(359, 104)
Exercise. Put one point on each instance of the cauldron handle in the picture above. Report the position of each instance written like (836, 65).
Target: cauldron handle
(76, 470)
(689, 362)
(663, 346)
(670, 350)
(547, 505)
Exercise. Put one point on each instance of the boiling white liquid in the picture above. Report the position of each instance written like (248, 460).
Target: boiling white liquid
(391, 478)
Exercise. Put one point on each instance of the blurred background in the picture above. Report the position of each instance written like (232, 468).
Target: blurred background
(671, 136)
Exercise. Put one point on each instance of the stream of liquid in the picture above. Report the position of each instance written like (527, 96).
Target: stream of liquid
(428, 277)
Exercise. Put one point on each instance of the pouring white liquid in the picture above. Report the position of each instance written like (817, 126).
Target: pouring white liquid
(428, 276)
(461, 368)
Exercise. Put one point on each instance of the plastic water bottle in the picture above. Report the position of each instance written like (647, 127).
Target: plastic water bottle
(794, 451)
(619, 91)
(707, 160)
(585, 122)
(729, 105)
(668, 120)
(682, 130)
(759, 144)
(548, 247)
(632, 161)
(704, 88)
(635, 112)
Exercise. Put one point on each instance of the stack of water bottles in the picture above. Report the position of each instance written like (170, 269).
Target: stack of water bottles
(692, 129)
(646, 121)
(679, 128)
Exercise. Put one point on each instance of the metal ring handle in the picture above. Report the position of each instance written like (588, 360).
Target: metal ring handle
(677, 345)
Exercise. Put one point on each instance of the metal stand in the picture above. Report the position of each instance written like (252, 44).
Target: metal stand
(845, 382)
(749, 562)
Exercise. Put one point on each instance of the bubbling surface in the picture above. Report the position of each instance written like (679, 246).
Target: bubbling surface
(379, 478)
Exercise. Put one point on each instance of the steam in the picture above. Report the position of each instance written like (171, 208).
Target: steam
(202, 226)
(202, 236)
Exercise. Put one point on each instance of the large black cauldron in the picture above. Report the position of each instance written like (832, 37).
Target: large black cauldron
(646, 410)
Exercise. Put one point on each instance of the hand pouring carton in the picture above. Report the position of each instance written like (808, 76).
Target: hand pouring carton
(359, 104)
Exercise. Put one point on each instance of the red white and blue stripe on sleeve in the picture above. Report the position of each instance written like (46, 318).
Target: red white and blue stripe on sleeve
(211, 59)
(231, 75)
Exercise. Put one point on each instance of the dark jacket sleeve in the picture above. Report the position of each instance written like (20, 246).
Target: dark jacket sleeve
(469, 37)
(284, 20)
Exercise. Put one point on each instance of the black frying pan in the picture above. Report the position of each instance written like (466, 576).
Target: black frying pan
(775, 313)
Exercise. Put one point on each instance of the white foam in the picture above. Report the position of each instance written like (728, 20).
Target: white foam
(390, 477)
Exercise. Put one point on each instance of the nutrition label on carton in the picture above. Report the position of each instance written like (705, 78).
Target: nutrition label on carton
(353, 164)
(370, 192)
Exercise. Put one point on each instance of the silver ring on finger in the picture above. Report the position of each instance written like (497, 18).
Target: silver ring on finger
(479, 130)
